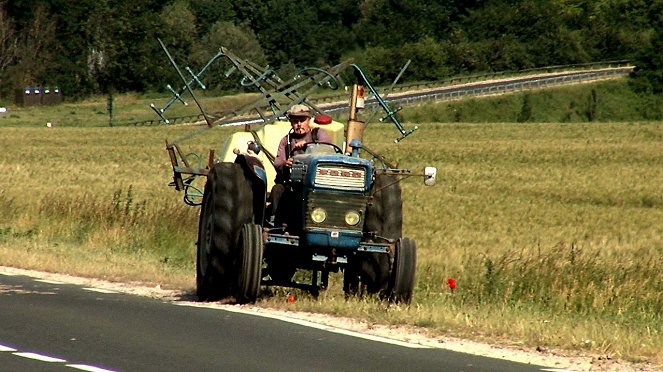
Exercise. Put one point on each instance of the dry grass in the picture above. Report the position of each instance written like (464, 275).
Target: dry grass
(552, 231)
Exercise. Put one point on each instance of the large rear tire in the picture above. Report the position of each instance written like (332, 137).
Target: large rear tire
(227, 206)
(384, 218)
(401, 285)
(250, 263)
(384, 215)
(208, 286)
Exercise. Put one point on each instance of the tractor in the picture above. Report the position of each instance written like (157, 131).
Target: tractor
(342, 211)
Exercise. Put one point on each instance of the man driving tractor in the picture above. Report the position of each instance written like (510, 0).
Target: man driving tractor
(291, 144)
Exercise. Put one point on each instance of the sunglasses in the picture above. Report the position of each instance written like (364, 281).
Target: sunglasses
(298, 119)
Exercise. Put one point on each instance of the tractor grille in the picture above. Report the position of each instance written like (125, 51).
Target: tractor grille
(336, 205)
(340, 177)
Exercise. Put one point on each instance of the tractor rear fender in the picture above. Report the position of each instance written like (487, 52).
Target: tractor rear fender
(255, 173)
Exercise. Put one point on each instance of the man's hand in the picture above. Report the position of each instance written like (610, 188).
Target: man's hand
(299, 145)
(288, 163)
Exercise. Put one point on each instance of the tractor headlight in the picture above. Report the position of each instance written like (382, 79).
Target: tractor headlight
(352, 218)
(318, 215)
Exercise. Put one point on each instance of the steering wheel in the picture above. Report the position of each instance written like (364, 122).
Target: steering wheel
(336, 148)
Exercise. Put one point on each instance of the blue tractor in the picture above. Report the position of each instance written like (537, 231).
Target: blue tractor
(342, 211)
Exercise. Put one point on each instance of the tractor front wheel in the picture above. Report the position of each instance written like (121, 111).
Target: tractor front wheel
(250, 263)
(402, 273)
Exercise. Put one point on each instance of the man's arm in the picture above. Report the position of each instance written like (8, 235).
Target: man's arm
(281, 156)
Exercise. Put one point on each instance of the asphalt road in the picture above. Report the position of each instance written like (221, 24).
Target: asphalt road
(52, 326)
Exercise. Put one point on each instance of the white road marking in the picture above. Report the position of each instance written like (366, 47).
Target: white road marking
(84, 367)
(39, 357)
(309, 324)
(49, 359)
(6, 348)
(99, 290)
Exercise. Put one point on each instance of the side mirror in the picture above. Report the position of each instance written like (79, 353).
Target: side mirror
(430, 176)
(255, 147)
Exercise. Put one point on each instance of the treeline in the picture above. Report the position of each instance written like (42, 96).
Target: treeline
(97, 46)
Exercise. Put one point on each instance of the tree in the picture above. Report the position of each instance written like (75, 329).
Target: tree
(391, 23)
(209, 12)
(648, 74)
(8, 42)
(287, 32)
(33, 49)
(520, 34)
(617, 29)
(176, 27)
(90, 46)
(300, 32)
(126, 34)
(333, 30)
(179, 28)
(239, 40)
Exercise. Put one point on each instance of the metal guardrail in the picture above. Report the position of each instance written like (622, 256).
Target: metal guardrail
(511, 85)
(465, 79)
(484, 88)
(458, 87)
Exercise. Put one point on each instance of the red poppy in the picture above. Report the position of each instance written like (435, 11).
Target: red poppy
(291, 299)
(451, 283)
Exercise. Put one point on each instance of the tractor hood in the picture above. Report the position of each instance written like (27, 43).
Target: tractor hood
(332, 172)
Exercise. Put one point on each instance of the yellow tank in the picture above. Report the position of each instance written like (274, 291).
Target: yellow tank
(270, 135)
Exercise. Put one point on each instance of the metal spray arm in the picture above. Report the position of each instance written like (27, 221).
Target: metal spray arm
(378, 156)
(391, 87)
(295, 91)
(429, 173)
(187, 85)
(390, 113)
